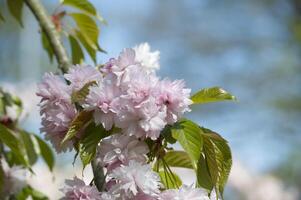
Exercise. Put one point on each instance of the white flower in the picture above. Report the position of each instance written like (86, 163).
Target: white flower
(14, 179)
(136, 177)
(149, 60)
(184, 193)
(213, 195)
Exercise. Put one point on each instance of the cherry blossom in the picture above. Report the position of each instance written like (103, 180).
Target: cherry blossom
(149, 60)
(76, 189)
(79, 75)
(56, 109)
(120, 149)
(136, 177)
(184, 193)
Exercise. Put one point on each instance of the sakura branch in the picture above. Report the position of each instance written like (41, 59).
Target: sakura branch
(118, 115)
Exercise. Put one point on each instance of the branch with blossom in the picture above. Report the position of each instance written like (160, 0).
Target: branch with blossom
(122, 118)
(125, 117)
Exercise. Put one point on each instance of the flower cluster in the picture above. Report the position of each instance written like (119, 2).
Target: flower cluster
(134, 99)
(77, 190)
(56, 106)
(127, 94)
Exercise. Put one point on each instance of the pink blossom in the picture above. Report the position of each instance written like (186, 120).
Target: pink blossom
(142, 196)
(184, 193)
(143, 120)
(79, 75)
(120, 149)
(56, 109)
(136, 177)
(102, 99)
(152, 118)
(175, 97)
(76, 189)
(109, 196)
(53, 88)
(56, 118)
(138, 84)
(115, 68)
(149, 60)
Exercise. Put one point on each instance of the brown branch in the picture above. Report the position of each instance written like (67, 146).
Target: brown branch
(48, 27)
(61, 55)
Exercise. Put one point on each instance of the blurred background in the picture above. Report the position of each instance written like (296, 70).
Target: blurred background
(251, 48)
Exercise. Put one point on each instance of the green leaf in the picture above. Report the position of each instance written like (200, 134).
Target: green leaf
(80, 95)
(88, 144)
(100, 49)
(166, 133)
(76, 51)
(87, 27)
(47, 46)
(188, 135)
(91, 51)
(223, 158)
(86, 7)
(77, 124)
(15, 7)
(28, 191)
(209, 95)
(1, 17)
(170, 180)
(2, 106)
(7, 100)
(29, 147)
(178, 159)
(11, 159)
(12, 141)
(46, 152)
(218, 159)
(203, 175)
(83, 5)
(211, 160)
(99, 177)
